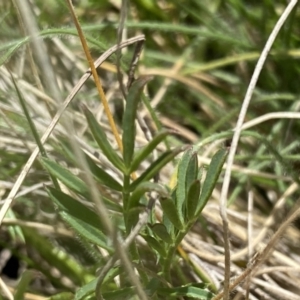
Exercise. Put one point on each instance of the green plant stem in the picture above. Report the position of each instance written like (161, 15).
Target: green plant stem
(170, 255)
(172, 249)
(126, 183)
(126, 194)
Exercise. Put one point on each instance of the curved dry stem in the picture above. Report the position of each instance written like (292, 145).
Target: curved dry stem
(270, 116)
(50, 229)
(236, 137)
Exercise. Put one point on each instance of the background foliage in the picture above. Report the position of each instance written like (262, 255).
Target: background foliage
(201, 55)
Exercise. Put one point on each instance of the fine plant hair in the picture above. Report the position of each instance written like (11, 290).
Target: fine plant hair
(236, 137)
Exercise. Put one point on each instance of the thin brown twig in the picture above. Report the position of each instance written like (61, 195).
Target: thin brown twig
(96, 77)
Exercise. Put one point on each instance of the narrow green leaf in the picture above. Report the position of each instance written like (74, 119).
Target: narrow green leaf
(152, 112)
(145, 187)
(132, 217)
(166, 221)
(62, 296)
(181, 191)
(155, 244)
(64, 147)
(211, 178)
(86, 290)
(29, 119)
(102, 176)
(156, 166)
(87, 231)
(147, 150)
(192, 199)
(11, 48)
(57, 258)
(101, 139)
(192, 171)
(120, 294)
(194, 290)
(169, 208)
(152, 286)
(23, 283)
(90, 287)
(14, 231)
(160, 230)
(32, 127)
(129, 117)
(83, 220)
(65, 176)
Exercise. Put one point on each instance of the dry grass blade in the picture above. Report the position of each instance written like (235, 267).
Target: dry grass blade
(39, 48)
(6, 290)
(270, 116)
(96, 77)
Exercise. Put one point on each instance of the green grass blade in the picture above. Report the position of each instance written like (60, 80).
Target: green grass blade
(211, 178)
(129, 118)
(147, 150)
(65, 176)
(32, 127)
(101, 139)
(29, 119)
(152, 112)
(14, 231)
(83, 220)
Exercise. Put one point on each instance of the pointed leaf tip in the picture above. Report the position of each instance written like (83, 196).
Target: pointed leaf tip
(211, 178)
(129, 118)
